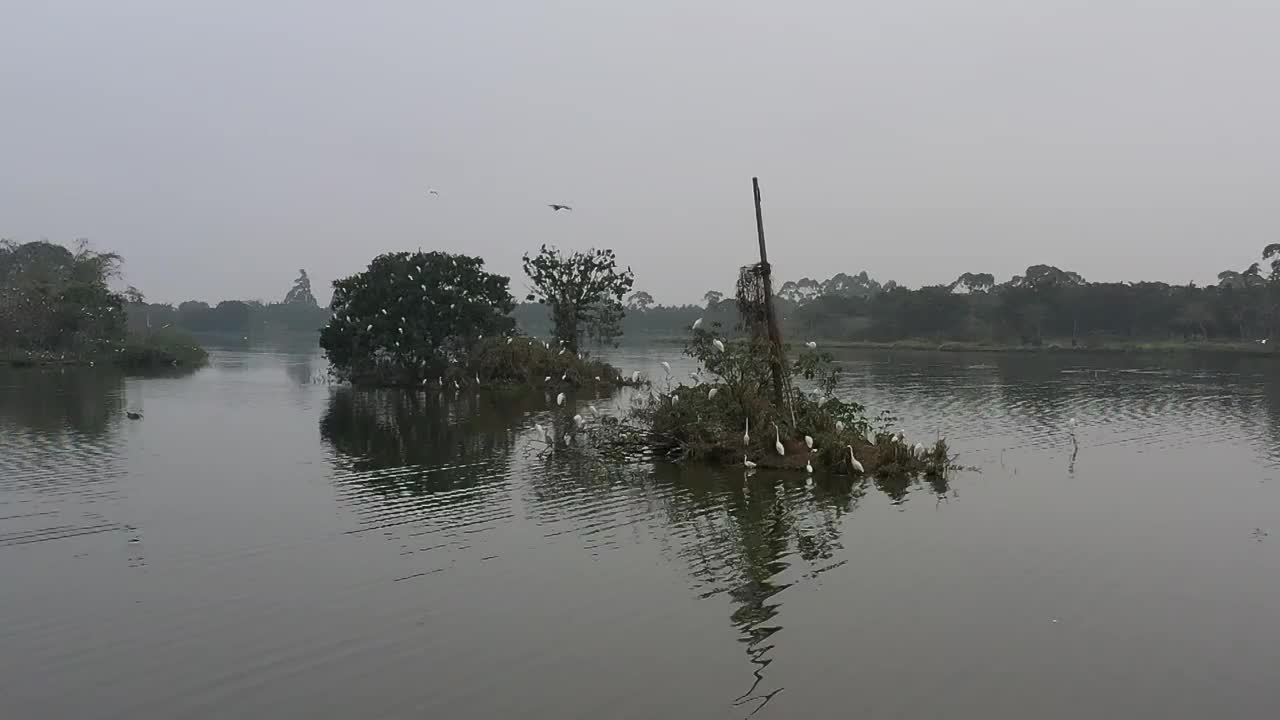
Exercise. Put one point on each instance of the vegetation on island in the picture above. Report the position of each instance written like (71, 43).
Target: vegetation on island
(57, 307)
(582, 291)
(440, 320)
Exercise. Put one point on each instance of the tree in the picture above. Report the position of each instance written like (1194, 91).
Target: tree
(640, 301)
(409, 315)
(974, 282)
(583, 290)
(713, 298)
(53, 299)
(300, 293)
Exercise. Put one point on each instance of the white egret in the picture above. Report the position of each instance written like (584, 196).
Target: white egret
(456, 386)
(719, 345)
(808, 466)
(593, 410)
(697, 323)
(839, 426)
(509, 340)
(579, 420)
(777, 441)
(565, 376)
(560, 399)
(747, 463)
(853, 461)
(666, 366)
(560, 353)
(546, 379)
(918, 450)
(384, 311)
(811, 345)
(711, 394)
(597, 378)
(808, 442)
(675, 399)
(746, 433)
(477, 378)
(369, 328)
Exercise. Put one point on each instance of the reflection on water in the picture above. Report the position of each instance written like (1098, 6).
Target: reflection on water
(421, 553)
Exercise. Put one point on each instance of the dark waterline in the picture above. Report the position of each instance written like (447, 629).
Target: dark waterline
(259, 545)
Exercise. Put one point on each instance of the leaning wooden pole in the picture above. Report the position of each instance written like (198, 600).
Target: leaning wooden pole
(776, 359)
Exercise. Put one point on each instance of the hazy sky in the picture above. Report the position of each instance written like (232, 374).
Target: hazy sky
(219, 146)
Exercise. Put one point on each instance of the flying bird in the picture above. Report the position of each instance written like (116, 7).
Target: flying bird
(433, 192)
(557, 208)
(133, 415)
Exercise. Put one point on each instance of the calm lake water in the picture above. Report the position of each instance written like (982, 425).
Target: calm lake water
(262, 546)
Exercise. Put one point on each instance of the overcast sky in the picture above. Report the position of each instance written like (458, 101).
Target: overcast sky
(219, 146)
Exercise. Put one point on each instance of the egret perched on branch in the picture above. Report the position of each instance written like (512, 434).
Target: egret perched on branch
(697, 323)
(918, 450)
(808, 467)
(579, 420)
(560, 399)
(808, 442)
(546, 379)
(635, 376)
(719, 345)
(853, 461)
(666, 366)
(777, 441)
(839, 426)
(711, 394)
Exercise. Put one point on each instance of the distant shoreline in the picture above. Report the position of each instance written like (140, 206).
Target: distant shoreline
(1056, 348)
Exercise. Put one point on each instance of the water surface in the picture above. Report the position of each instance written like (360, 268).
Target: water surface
(262, 545)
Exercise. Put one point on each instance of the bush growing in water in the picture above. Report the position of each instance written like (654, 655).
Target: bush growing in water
(725, 415)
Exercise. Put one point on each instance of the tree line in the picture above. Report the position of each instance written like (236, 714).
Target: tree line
(1046, 304)
(298, 312)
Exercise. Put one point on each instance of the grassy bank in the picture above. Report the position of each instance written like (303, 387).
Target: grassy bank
(139, 353)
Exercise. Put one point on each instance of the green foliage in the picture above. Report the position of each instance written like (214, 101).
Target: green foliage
(689, 421)
(159, 350)
(409, 316)
(584, 291)
(55, 301)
